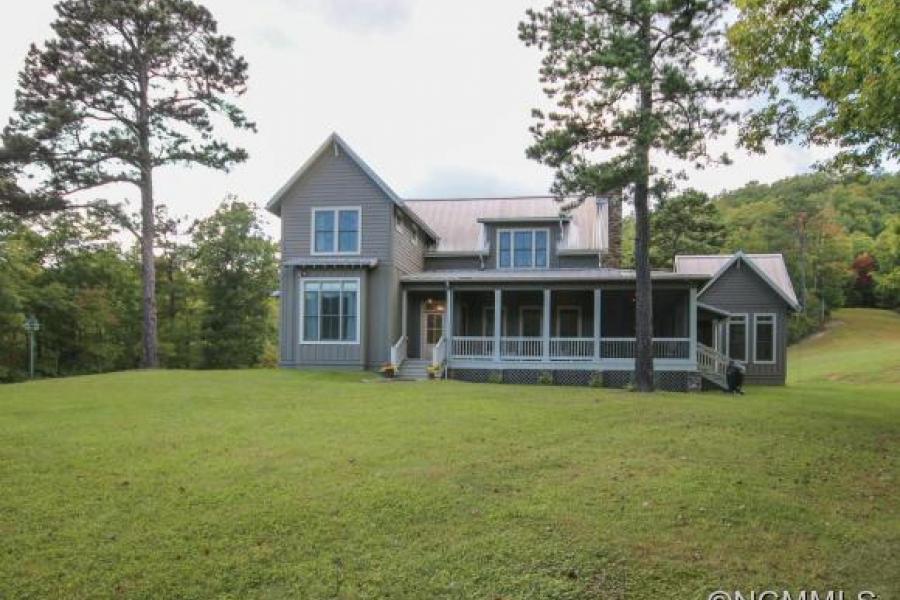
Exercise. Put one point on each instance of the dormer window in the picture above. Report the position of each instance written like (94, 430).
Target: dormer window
(523, 248)
(336, 230)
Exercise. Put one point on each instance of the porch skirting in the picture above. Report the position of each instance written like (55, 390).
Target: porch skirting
(672, 381)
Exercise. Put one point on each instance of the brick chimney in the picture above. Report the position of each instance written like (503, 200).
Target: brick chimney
(613, 256)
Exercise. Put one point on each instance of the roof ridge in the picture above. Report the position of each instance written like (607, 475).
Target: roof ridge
(474, 198)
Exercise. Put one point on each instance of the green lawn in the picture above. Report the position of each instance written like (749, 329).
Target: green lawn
(281, 484)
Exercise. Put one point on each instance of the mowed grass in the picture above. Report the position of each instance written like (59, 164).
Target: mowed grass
(284, 484)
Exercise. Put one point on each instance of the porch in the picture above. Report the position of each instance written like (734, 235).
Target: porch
(571, 328)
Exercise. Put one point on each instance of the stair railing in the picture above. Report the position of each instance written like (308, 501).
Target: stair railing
(439, 355)
(399, 351)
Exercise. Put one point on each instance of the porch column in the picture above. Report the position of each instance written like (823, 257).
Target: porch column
(448, 330)
(498, 315)
(545, 326)
(598, 297)
(404, 308)
(692, 315)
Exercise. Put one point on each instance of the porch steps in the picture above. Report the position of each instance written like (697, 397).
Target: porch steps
(413, 368)
(715, 379)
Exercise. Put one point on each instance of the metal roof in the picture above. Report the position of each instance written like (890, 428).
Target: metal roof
(770, 268)
(332, 262)
(459, 222)
(539, 275)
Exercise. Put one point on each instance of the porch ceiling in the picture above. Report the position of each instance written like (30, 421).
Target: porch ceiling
(541, 275)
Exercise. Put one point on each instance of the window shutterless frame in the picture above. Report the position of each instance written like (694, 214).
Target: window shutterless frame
(335, 231)
(744, 319)
(334, 280)
(765, 319)
(534, 250)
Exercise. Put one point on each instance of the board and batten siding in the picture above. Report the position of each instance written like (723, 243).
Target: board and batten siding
(335, 180)
(741, 290)
(408, 250)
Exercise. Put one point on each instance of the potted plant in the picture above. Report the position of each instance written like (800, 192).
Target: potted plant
(389, 370)
(433, 371)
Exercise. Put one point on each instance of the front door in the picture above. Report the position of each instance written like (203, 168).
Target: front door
(432, 330)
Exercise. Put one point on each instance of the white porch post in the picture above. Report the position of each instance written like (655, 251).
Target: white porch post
(498, 315)
(598, 297)
(448, 330)
(404, 308)
(692, 315)
(545, 326)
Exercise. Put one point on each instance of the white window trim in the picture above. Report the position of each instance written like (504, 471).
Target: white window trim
(512, 247)
(535, 307)
(560, 309)
(774, 316)
(341, 280)
(336, 210)
(746, 336)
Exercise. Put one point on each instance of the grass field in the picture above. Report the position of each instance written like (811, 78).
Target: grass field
(281, 484)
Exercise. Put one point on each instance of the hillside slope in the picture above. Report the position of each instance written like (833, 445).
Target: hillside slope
(859, 345)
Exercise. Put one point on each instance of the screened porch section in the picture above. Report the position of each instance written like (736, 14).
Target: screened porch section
(565, 325)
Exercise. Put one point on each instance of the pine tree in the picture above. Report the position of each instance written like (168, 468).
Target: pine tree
(628, 76)
(689, 223)
(124, 87)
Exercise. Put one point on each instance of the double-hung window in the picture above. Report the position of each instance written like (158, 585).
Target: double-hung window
(523, 248)
(764, 338)
(330, 311)
(336, 230)
(737, 337)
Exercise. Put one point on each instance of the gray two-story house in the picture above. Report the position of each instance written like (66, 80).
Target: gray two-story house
(497, 289)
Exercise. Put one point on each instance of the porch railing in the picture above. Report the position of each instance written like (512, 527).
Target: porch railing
(624, 348)
(399, 351)
(472, 347)
(521, 348)
(571, 348)
(580, 348)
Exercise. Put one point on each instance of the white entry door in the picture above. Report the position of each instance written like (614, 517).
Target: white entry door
(432, 330)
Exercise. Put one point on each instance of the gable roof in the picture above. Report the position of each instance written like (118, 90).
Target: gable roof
(459, 221)
(274, 205)
(770, 268)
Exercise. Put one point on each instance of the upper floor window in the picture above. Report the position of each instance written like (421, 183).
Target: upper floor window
(523, 248)
(336, 230)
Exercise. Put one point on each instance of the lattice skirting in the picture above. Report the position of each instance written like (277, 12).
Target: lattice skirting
(673, 381)
(471, 375)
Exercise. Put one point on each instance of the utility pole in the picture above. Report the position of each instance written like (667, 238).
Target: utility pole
(32, 326)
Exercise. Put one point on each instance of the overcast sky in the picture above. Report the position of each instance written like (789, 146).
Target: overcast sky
(434, 94)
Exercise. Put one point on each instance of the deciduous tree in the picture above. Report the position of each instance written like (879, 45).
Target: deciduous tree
(829, 71)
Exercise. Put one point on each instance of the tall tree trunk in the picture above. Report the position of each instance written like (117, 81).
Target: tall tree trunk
(148, 231)
(148, 272)
(643, 317)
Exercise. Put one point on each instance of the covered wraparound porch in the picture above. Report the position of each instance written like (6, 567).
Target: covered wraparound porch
(544, 325)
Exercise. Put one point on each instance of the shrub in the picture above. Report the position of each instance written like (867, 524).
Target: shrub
(545, 378)
(596, 379)
(495, 377)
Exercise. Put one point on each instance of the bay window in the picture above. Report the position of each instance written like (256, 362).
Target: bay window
(336, 230)
(523, 248)
(330, 310)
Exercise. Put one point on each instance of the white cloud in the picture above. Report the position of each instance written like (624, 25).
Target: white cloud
(435, 95)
